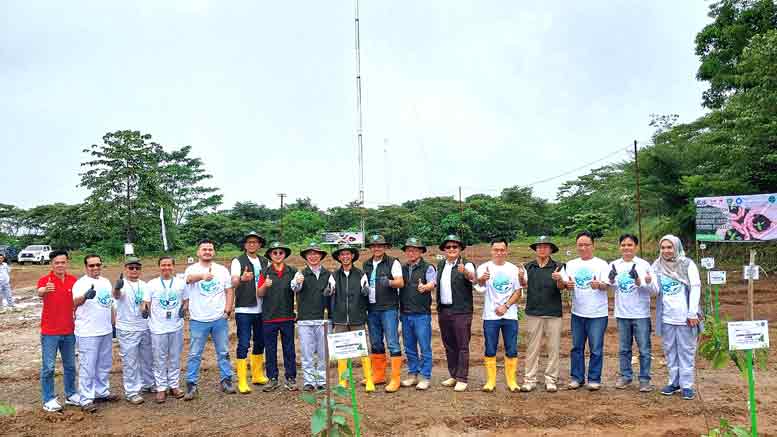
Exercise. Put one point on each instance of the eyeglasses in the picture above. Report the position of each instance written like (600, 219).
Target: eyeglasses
(278, 252)
(453, 246)
(133, 267)
(91, 266)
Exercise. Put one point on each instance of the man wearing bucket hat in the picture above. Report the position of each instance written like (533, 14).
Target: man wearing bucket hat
(415, 303)
(349, 290)
(278, 316)
(132, 332)
(311, 284)
(385, 276)
(247, 276)
(543, 313)
(455, 276)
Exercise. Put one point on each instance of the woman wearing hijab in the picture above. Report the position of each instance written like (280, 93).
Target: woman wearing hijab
(678, 315)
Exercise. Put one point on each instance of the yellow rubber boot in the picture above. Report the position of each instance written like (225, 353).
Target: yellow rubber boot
(511, 366)
(242, 376)
(369, 387)
(257, 370)
(490, 374)
(396, 374)
(342, 373)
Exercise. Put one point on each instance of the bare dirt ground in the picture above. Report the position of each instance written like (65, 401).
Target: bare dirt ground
(436, 412)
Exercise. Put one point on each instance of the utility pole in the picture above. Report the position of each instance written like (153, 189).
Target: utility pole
(281, 195)
(461, 216)
(359, 136)
(639, 209)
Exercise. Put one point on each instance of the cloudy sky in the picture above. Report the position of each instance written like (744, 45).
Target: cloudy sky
(479, 94)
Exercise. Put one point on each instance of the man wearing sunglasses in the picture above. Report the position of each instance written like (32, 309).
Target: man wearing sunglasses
(132, 332)
(455, 276)
(93, 328)
(210, 294)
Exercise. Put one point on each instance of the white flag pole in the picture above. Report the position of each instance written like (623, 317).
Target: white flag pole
(164, 231)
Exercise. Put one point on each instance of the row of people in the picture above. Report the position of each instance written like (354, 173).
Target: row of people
(268, 297)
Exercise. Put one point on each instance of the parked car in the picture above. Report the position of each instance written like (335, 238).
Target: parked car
(36, 253)
(10, 253)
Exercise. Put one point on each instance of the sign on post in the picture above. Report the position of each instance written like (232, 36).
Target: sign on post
(751, 272)
(708, 263)
(338, 238)
(343, 345)
(749, 334)
(716, 277)
(736, 218)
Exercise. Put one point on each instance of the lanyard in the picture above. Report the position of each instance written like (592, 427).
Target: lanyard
(163, 282)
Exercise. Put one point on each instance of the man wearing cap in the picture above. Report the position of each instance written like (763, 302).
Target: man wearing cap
(543, 314)
(415, 304)
(93, 302)
(349, 290)
(385, 276)
(210, 294)
(132, 332)
(247, 276)
(455, 276)
(311, 284)
(56, 332)
(278, 317)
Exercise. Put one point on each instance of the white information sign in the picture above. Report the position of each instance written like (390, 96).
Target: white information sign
(750, 272)
(750, 334)
(716, 277)
(344, 345)
(708, 263)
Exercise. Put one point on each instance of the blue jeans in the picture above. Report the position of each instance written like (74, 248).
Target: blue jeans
(417, 334)
(271, 331)
(380, 323)
(589, 329)
(49, 344)
(509, 330)
(249, 327)
(198, 336)
(639, 330)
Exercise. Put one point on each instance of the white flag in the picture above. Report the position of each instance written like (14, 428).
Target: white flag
(164, 231)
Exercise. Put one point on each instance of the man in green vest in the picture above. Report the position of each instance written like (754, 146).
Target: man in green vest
(247, 275)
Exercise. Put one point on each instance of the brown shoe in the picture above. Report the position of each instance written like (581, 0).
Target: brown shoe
(176, 393)
(160, 397)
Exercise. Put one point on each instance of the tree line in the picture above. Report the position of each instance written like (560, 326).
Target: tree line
(732, 149)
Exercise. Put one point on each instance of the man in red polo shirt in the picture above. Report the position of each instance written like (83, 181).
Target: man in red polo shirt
(56, 332)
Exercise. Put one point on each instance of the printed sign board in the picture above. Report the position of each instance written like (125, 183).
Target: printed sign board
(352, 344)
(716, 277)
(708, 263)
(736, 218)
(749, 334)
(751, 272)
(337, 238)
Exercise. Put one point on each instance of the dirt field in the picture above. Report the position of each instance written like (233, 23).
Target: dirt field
(436, 412)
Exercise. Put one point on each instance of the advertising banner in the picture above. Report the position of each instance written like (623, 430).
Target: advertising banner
(736, 218)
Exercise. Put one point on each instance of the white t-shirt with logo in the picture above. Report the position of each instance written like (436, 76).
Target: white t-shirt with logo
(632, 302)
(128, 314)
(165, 298)
(675, 304)
(236, 271)
(587, 301)
(208, 299)
(93, 317)
(498, 289)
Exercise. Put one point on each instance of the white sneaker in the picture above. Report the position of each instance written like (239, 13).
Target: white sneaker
(450, 382)
(73, 401)
(460, 386)
(52, 406)
(409, 382)
(423, 384)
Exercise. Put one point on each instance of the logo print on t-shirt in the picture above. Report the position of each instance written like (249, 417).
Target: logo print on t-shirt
(138, 296)
(670, 286)
(104, 298)
(583, 278)
(210, 288)
(168, 300)
(625, 283)
(501, 283)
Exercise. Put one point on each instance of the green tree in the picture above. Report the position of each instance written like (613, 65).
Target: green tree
(183, 180)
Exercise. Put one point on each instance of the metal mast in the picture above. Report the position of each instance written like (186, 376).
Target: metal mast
(359, 136)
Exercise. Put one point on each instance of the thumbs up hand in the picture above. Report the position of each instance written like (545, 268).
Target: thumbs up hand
(119, 284)
(90, 293)
(299, 277)
(208, 276)
(634, 275)
(49, 286)
(421, 287)
(556, 275)
(522, 275)
(648, 278)
(247, 275)
(613, 274)
(461, 267)
(595, 283)
(268, 282)
(484, 277)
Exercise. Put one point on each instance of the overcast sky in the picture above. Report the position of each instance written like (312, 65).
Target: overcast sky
(482, 94)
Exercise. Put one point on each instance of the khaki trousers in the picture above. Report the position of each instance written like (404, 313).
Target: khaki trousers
(537, 328)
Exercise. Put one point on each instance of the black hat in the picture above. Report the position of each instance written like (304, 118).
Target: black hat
(261, 239)
(277, 245)
(347, 247)
(452, 238)
(544, 239)
(376, 240)
(414, 242)
(314, 247)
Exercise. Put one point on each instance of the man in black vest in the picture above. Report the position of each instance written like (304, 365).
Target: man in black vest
(455, 276)
(278, 316)
(415, 303)
(311, 284)
(385, 276)
(247, 275)
(349, 289)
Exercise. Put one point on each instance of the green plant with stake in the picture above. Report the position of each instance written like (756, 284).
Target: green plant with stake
(339, 426)
(726, 429)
